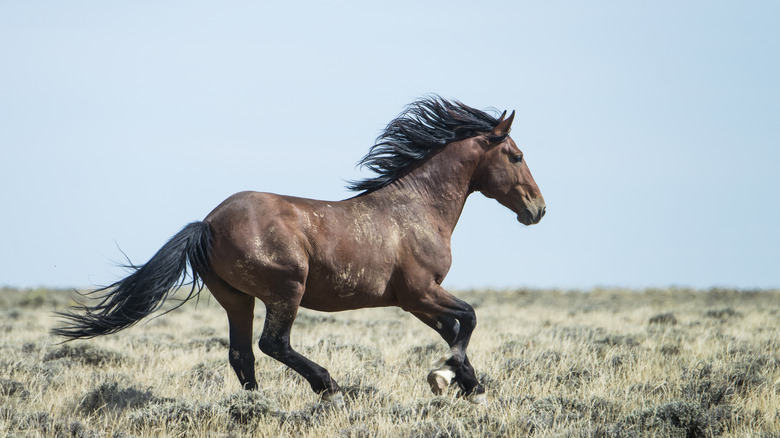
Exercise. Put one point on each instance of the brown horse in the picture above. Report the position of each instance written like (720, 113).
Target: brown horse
(387, 246)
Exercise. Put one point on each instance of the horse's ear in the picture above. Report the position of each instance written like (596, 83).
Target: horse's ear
(504, 125)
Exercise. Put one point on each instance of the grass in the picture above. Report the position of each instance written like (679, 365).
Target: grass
(602, 363)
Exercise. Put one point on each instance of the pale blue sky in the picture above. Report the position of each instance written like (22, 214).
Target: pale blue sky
(651, 127)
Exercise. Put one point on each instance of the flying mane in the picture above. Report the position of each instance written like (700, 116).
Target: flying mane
(422, 128)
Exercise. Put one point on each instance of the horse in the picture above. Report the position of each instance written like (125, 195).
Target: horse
(387, 246)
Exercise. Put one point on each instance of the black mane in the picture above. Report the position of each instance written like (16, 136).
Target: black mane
(422, 128)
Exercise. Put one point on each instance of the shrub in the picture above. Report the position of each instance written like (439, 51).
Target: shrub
(110, 397)
(245, 406)
(12, 387)
(663, 318)
(169, 414)
(85, 354)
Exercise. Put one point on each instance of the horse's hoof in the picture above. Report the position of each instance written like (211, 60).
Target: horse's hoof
(478, 399)
(333, 399)
(440, 380)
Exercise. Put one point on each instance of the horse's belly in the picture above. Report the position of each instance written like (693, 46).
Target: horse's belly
(346, 289)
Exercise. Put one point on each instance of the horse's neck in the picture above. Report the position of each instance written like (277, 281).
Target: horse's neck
(435, 190)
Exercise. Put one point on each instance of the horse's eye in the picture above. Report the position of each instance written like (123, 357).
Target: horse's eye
(518, 158)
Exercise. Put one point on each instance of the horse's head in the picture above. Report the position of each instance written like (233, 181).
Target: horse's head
(503, 174)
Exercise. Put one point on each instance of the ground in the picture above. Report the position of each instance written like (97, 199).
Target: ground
(598, 363)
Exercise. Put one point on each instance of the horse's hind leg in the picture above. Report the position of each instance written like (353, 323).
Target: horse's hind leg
(448, 329)
(275, 342)
(240, 311)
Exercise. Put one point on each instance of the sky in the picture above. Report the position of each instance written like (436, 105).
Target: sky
(651, 127)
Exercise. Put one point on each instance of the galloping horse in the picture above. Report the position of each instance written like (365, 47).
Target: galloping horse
(387, 246)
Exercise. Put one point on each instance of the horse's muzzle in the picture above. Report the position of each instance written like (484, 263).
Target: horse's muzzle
(528, 217)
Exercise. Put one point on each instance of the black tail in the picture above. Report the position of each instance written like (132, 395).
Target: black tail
(129, 300)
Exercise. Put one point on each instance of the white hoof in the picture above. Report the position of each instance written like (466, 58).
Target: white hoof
(333, 399)
(440, 380)
(478, 399)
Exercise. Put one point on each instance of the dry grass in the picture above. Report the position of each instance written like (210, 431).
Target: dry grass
(607, 363)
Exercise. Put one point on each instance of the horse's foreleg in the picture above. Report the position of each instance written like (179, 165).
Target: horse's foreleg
(438, 303)
(275, 342)
(448, 329)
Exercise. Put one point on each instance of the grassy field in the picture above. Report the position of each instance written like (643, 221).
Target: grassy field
(602, 363)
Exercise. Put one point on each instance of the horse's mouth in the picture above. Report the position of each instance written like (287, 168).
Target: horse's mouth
(528, 218)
